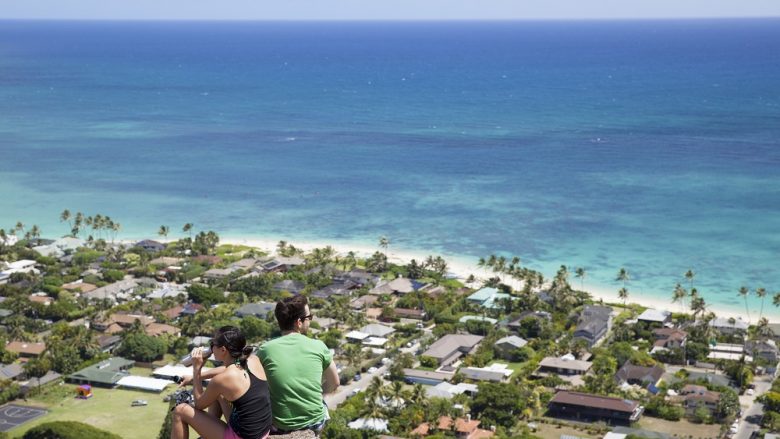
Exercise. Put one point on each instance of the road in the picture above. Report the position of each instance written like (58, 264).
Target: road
(334, 399)
(752, 410)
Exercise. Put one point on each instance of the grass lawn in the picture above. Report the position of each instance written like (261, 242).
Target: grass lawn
(681, 428)
(108, 409)
(515, 367)
(549, 431)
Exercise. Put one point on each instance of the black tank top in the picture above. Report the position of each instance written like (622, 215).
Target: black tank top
(251, 416)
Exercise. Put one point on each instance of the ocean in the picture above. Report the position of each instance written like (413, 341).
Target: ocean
(648, 145)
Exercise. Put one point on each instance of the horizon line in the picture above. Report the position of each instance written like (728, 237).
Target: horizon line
(394, 20)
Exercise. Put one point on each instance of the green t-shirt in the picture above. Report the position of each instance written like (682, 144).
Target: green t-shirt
(294, 364)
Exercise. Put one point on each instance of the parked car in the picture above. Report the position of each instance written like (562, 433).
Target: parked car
(138, 403)
(372, 369)
(355, 391)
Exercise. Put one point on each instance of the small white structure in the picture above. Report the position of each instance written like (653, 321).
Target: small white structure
(655, 316)
(356, 336)
(144, 383)
(375, 342)
(374, 424)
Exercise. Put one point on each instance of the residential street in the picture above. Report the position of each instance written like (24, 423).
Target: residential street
(752, 410)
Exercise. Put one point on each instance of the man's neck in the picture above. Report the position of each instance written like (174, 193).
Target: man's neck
(292, 331)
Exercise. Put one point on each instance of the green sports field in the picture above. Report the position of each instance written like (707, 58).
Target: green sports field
(108, 409)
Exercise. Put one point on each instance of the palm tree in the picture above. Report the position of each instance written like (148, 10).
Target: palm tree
(776, 299)
(187, 228)
(163, 231)
(623, 276)
(689, 275)
(761, 292)
(418, 395)
(579, 273)
(698, 306)
(19, 227)
(744, 292)
(65, 217)
(375, 390)
(623, 294)
(679, 295)
(384, 243)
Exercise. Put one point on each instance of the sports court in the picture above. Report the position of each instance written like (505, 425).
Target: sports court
(12, 415)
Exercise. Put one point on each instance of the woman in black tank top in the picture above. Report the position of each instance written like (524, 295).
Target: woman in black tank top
(239, 388)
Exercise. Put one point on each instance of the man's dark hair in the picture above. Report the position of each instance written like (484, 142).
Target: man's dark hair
(289, 310)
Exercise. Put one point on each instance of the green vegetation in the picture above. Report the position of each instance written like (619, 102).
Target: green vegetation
(68, 430)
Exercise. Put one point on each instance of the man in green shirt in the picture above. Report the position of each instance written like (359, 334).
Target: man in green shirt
(299, 370)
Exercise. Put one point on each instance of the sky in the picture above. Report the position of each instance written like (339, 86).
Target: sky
(384, 9)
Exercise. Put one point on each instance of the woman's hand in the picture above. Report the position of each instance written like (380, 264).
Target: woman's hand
(185, 380)
(197, 359)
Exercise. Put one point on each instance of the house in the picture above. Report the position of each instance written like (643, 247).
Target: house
(123, 320)
(695, 396)
(462, 428)
(79, 287)
(506, 346)
(260, 310)
(282, 264)
(729, 326)
(640, 375)
(565, 365)
(115, 292)
(356, 336)
(41, 298)
(451, 347)
(406, 313)
(168, 290)
(107, 373)
(13, 371)
(593, 324)
(150, 246)
(669, 338)
(166, 261)
(515, 324)
(218, 273)
(292, 286)
(495, 372)
(587, 407)
(728, 351)
(489, 320)
(335, 289)
(373, 424)
(158, 329)
(34, 383)
(363, 301)
(358, 276)
(377, 330)
(21, 266)
(655, 316)
(764, 349)
(398, 286)
(188, 309)
(427, 377)
(107, 342)
(489, 298)
(60, 247)
(26, 349)
(449, 391)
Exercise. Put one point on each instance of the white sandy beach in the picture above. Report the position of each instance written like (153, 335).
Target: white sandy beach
(464, 267)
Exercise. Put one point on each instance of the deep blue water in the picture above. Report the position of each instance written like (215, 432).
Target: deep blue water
(650, 145)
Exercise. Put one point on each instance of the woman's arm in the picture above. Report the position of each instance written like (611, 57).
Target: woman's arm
(207, 375)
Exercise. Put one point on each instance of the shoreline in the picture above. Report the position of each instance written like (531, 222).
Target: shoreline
(462, 267)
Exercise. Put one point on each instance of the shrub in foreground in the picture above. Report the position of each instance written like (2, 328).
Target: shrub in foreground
(68, 430)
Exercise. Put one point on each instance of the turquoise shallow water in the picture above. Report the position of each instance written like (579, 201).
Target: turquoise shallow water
(646, 145)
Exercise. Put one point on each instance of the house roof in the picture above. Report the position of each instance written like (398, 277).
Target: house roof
(450, 343)
(512, 340)
(727, 323)
(156, 329)
(461, 425)
(485, 373)
(483, 294)
(377, 330)
(290, 285)
(106, 372)
(564, 363)
(588, 400)
(11, 371)
(699, 393)
(417, 373)
(28, 348)
(129, 319)
(257, 309)
(80, 286)
(630, 372)
(654, 315)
